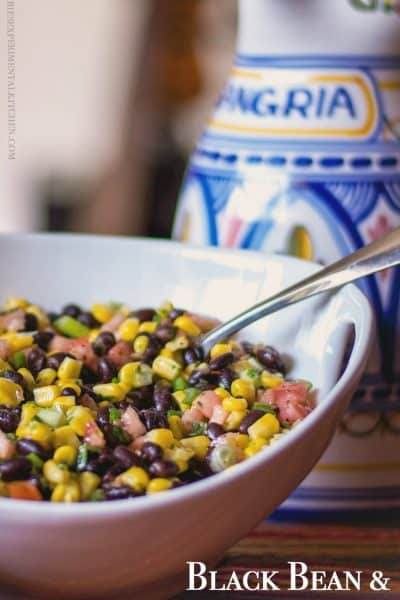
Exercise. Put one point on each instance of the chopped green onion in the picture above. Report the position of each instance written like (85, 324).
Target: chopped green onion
(174, 413)
(179, 383)
(36, 461)
(114, 414)
(120, 434)
(70, 327)
(82, 458)
(198, 428)
(264, 407)
(190, 395)
(19, 360)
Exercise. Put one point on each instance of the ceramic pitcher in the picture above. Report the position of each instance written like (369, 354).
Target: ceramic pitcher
(302, 156)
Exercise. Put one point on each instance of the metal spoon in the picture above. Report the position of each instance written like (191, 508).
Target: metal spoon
(379, 255)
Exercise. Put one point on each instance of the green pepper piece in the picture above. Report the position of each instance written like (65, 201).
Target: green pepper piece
(70, 327)
(18, 360)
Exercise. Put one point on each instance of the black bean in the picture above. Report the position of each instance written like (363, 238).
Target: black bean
(87, 389)
(151, 452)
(204, 379)
(192, 355)
(26, 446)
(43, 338)
(86, 318)
(197, 375)
(55, 360)
(72, 310)
(103, 416)
(103, 343)
(143, 314)
(120, 492)
(16, 468)
(247, 347)
(153, 348)
(153, 419)
(126, 457)
(112, 440)
(214, 430)
(13, 376)
(175, 313)
(135, 399)
(249, 419)
(165, 333)
(223, 360)
(9, 419)
(162, 399)
(226, 378)
(100, 463)
(52, 316)
(111, 474)
(68, 391)
(163, 468)
(88, 375)
(31, 322)
(106, 370)
(36, 360)
(270, 358)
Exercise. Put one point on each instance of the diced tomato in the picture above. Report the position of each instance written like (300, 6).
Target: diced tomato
(13, 321)
(23, 490)
(137, 443)
(189, 417)
(291, 399)
(131, 423)
(4, 349)
(219, 415)
(82, 349)
(7, 447)
(93, 435)
(206, 402)
(120, 354)
(113, 324)
(59, 343)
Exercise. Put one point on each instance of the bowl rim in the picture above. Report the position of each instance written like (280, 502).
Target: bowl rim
(141, 504)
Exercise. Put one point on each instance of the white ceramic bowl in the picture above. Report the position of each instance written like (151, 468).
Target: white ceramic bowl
(91, 550)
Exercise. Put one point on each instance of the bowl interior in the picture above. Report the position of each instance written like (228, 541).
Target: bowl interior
(55, 269)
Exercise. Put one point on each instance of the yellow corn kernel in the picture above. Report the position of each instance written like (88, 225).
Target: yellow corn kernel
(167, 352)
(242, 440)
(265, 427)
(4, 365)
(79, 417)
(65, 454)
(198, 443)
(28, 377)
(54, 473)
(69, 383)
(65, 436)
(179, 396)
(165, 367)
(178, 453)
(220, 349)
(110, 391)
(64, 402)
(234, 419)
(128, 329)
(231, 404)
(163, 437)
(136, 478)
(11, 394)
(34, 430)
(140, 344)
(13, 302)
(175, 423)
(221, 393)
(43, 320)
(126, 374)
(17, 341)
(255, 446)
(182, 465)
(46, 377)
(271, 380)
(29, 410)
(70, 368)
(102, 312)
(45, 396)
(66, 492)
(244, 389)
(93, 334)
(187, 325)
(88, 483)
(147, 327)
(181, 342)
(158, 484)
(124, 311)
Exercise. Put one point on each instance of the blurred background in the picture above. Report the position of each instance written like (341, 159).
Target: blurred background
(110, 99)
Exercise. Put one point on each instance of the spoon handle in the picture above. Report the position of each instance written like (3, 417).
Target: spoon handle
(379, 255)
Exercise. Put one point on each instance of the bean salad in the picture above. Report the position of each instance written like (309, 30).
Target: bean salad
(113, 403)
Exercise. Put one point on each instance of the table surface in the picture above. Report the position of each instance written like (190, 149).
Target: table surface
(329, 547)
